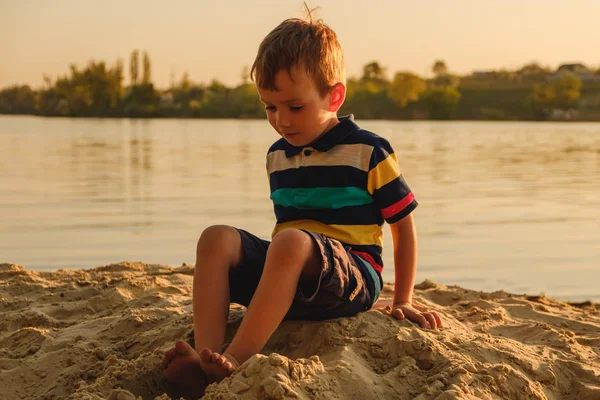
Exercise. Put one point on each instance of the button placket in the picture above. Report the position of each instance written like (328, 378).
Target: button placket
(306, 152)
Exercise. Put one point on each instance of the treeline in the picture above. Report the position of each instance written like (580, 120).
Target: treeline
(531, 93)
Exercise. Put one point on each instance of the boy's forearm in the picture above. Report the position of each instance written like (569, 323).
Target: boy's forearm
(405, 274)
(405, 259)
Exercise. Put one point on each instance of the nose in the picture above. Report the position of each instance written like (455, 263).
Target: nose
(283, 120)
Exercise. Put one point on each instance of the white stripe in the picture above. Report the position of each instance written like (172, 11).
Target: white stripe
(353, 155)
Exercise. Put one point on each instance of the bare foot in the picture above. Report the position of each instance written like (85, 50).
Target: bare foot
(182, 366)
(217, 366)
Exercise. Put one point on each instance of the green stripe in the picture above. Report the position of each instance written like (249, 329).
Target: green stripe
(323, 197)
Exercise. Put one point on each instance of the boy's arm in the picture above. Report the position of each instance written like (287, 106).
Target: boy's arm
(404, 236)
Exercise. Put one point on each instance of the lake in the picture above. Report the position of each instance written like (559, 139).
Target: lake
(503, 205)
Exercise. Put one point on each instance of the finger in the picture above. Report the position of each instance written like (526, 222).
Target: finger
(214, 356)
(438, 320)
(398, 314)
(418, 318)
(431, 319)
(419, 306)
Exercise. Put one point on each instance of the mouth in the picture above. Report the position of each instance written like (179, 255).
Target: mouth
(289, 135)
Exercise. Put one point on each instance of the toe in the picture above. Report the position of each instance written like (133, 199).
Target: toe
(228, 368)
(214, 357)
(205, 354)
(168, 357)
(182, 347)
(221, 360)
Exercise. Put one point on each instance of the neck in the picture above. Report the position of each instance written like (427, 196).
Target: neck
(331, 123)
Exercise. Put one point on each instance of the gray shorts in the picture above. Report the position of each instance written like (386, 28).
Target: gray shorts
(341, 290)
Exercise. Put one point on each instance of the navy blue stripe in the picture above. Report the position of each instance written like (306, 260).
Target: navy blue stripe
(278, 145)
(369, 138)
(360, 136)
(391, 193)
(313, 177)
(353, 215)
(379, 154)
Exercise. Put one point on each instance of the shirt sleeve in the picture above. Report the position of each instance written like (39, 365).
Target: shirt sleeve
(387, 186)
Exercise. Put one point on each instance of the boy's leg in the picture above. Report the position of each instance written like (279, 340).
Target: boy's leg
(219, 249)
(292, 255)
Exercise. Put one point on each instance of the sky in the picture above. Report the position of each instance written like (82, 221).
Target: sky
(215, 39)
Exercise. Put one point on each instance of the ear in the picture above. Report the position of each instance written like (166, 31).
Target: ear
(338, 95)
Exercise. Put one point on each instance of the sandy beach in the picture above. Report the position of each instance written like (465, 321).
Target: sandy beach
(101, 333)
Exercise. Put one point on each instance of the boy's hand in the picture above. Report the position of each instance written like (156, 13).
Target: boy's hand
(416, 314)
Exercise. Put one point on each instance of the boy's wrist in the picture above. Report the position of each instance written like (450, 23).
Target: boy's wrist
(400, 300)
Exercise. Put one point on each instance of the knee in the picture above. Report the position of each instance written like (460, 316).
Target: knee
(216, 233)
(292, 240)
(220, 238)
(296, 249)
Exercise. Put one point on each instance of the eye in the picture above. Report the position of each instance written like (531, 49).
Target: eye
(270, 108)
(296, 108)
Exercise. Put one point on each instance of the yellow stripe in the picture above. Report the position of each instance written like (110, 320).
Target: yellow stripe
(354, 155)
(385, 172)
(349, 234)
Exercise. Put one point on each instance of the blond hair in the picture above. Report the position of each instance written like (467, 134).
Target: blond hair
(297, 42)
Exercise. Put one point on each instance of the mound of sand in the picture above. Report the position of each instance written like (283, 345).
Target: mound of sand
(101, 333)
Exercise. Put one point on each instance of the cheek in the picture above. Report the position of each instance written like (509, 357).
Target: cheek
(271, 118)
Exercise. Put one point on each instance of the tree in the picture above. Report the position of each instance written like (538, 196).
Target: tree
(181, 93)
(17, 100)
(439, 68)
(147, 70)
(217, 87)
(373, 71)
(373, 79)
(117, 81)
(406, 87)
(533, 73)
(368, 99)
(245, 75)
(185, 84)
(247, 102)
(568, 91)
(533, 68)
(94, 90)
(561, 94)
(442, 102)
(134, 67)
(442, 76)
(118, 70)
(448, 80)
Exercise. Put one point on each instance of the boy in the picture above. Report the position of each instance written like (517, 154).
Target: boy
(332, 185)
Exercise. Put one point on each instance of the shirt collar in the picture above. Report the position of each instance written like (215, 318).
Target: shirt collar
(334, 136)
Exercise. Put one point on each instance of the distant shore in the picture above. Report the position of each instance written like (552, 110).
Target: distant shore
(261, 118)
(531, 93)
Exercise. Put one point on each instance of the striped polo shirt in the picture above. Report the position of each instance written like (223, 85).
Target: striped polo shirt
(343, 186)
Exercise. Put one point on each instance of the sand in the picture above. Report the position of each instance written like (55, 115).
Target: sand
(101, 333)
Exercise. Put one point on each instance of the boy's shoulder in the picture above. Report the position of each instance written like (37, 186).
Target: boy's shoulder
(363, 136)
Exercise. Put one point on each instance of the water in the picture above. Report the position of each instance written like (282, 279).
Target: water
(513, 206)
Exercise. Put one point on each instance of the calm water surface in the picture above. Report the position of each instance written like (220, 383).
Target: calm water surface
(513, 206)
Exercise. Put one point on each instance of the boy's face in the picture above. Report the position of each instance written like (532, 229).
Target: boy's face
(297, 111)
